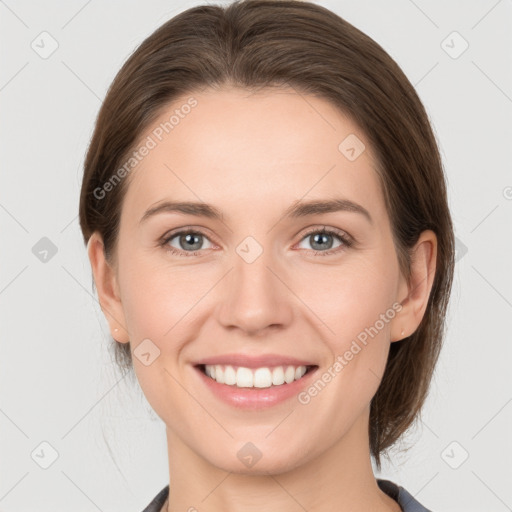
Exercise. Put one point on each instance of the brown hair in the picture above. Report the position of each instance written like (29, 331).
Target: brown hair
(254, 44)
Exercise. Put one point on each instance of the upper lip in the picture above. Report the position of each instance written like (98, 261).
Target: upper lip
(248, 361)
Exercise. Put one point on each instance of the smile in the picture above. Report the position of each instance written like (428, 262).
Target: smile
(254, 388)
(263, 377)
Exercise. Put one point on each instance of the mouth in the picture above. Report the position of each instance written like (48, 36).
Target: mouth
(258, 378)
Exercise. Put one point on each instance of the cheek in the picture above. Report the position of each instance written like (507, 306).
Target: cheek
(144, 300)
(350, 296)
(354, 304)
(159, 299)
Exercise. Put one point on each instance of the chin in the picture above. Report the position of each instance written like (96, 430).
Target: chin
(264, 466)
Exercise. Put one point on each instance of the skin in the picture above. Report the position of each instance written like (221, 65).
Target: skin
(252, 155)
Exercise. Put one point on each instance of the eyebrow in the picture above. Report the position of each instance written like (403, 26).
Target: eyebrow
(297, 209)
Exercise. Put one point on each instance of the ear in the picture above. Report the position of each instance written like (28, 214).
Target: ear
(416, 292)
(105, 279)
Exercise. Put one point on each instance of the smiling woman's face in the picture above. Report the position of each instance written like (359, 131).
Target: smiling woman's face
(258, 279)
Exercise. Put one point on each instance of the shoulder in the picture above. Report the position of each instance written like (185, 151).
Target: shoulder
(400, 495)
(158, 501)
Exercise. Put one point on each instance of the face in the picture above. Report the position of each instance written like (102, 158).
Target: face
(261, 278)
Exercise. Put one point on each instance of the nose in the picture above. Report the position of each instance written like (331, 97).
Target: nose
(256, 296)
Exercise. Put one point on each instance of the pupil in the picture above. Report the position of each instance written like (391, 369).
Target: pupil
(322, 237)
(189, 238)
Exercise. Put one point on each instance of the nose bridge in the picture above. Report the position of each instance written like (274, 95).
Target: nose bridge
(255, 298)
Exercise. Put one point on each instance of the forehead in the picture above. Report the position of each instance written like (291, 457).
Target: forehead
(266, 148)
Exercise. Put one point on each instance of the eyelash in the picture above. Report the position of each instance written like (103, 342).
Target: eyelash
(347, 242)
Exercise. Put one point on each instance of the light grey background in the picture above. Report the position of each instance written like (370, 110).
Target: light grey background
(58, 384)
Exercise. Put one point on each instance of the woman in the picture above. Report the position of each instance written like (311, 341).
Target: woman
(231, 146)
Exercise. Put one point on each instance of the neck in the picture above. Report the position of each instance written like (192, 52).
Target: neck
(340, 478)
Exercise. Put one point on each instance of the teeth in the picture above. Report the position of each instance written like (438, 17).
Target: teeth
(259, 378)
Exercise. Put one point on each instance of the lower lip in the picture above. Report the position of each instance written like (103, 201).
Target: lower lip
(256, 398)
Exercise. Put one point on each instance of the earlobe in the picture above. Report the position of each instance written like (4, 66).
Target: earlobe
(107, 287)
(414, 305)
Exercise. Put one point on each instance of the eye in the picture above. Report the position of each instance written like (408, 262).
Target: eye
(191, 243)
(321, 240)
(188, 243)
